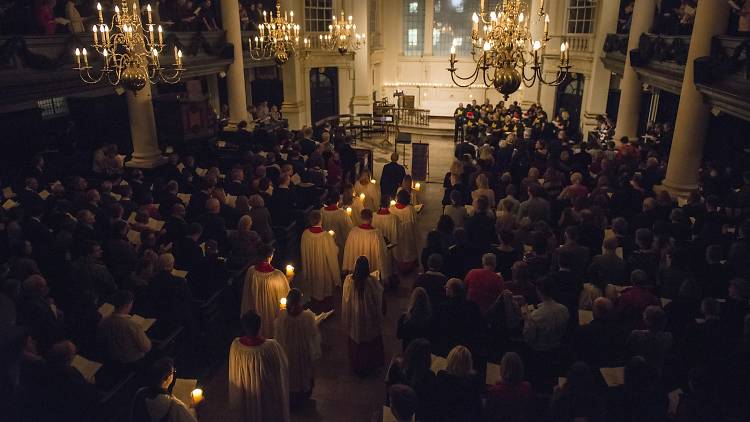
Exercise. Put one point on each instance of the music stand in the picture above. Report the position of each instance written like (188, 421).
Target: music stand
(402, 139)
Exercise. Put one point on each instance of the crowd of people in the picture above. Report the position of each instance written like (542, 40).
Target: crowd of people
(591, 270)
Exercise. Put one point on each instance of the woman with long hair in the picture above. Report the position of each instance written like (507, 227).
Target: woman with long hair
(509, 399)
(415, 322)
(362, 317)
(457, 389)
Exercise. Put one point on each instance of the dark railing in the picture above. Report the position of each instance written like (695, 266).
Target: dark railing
(412, 117)
(616, 43)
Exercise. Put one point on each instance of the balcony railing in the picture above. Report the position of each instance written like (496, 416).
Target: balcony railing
(579, 43)
(412, 116)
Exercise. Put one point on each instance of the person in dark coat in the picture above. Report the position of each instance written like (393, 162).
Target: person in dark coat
(479, 227)
(602, 341)
(391, 177)
(457, 321)
(433, 281)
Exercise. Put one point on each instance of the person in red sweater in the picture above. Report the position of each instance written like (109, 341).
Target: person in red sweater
(634, 300)
(484, 285)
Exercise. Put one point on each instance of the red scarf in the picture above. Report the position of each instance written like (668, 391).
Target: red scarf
(332, 207)
(252, 341)
(383, 211)
(315, 229)
(365, 226)
(400, 206)
(264, 267)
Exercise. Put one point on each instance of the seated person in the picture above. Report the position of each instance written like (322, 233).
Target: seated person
(120, 337)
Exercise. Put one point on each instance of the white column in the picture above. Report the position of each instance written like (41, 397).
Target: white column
(429, 17)
(631, 88)
(230, 19)
(361, 100)
(293, 75)
(692, 115)
(146, 152)
(530, 95)
(596, 89)
(546, 94)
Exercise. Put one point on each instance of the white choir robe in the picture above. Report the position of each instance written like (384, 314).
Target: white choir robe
(262, 292)
(259, 382)
(339, 221)
(320, 263)
(372, 194)
(365, 240)
(387, 223)
(299, 336)
(357, 206)
(413, 194)
(406, 250)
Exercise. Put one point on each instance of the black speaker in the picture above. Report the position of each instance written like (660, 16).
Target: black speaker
(403, 138)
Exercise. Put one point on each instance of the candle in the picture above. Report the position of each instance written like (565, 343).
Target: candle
(541, 7)
(474, 22)
(349, 210)
(96, 34)
(78, 60)
(417, 186)
(282, 303)
(99, 9)
(151, 34)
(481, 5)
(372, 181)
(331, 232)
(179, 58)
(289, 271)
(85, 58)
(148, 10)
(117, 13)
(135, 12)
(105, 53)
(361, 195)
(197, 396)
(393, 202)
(562, 52)
(161, 39)
(546, 25)
(453, 53)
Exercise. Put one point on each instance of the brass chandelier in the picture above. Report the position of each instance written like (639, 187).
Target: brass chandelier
(278, 37)
(503, 48)
(129, 57)
(342, 36)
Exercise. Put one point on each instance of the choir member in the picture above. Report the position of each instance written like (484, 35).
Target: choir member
(264, 288)
(320, 264)
(362, 316)
(366, 240)
(405, 251)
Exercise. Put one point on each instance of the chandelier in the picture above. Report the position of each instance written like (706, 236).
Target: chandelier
(129, 58)
(503, 48)
(278, 37)
(342, 36)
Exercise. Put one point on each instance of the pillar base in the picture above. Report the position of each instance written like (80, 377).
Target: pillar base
(295, 114)
(146, 162)
(675, 189)
(361, 104)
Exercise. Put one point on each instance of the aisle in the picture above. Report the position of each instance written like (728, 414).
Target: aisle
(340, 395)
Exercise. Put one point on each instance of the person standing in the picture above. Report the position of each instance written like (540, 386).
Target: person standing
(365, 240)
(320, 263)
(264, 288)
(258, 375)
(297, 332)
(391, 177)
(362, 316)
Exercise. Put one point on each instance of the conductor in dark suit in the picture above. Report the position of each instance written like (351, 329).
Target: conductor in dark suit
(393, 175)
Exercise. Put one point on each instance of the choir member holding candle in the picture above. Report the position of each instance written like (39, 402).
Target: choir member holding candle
(366, 240)
(258, 375)
(264, 287)
(405, 251)
(297, 332)
(362, 316)
(336, 219)
(320, 264)
(366, 186)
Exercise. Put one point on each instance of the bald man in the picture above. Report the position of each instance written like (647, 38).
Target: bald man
(392, 176)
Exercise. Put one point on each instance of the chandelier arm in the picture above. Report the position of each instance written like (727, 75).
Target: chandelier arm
(475, 75)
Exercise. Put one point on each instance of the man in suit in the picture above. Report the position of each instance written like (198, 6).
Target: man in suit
(307, 144)
(187, 250)
(536, 207)
(568, 286)
(391, 178)
(29, 196)
(283, 202)
(214, 225)
(176, 226)
(579, 254)
(602, 341)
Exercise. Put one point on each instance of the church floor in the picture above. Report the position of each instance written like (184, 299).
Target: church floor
(339, 395)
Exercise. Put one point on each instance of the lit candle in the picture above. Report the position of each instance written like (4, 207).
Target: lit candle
(393, 202)
(289, 271)
(474, 21)
(96, 34)
(546, 25)
(291, 16)
(99, 9)
(562, 52)
(349, 210)
(105, 53)
(179, 58)
(331, 232)
(453, 53)
(136, 16)
(372, 181)
(85, 58)
(282, 303)
(148, 10)
(417, 186)
(117, 13)
(151, 34)
(78, 59)
(520, 17)
(197, 396)
(161, 39)
(361, 195)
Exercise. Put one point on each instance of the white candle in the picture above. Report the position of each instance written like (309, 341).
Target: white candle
(197, 396)
(282, 303)
(99, 9)
(161, 39)
(96, 34)
(78, 59)
(349, 210)
(148, 9)
(289, 271)
(361, 195)
(417, 186)
(393, 202)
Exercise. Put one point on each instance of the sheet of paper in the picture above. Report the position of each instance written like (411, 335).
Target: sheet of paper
(179, 273)
(375, 275)
(221, 144)
(200, 171)
(469, 209)
(124, 183)
(131, 219)
(184, 197)
(231, 200)
(613, 376)
(527, 248)
(145, 323)
(117, 196)
(106, 310)
(44, 194)
(585, 317)
(87, 368)
(9, 204)
(182, 389)
(203, 247)
(180, 167)
(134, 237)
(561, 381)
(438, 364)
(665, 301)
(493, 374)
(155, 225)
(692, 220)
(323, 316)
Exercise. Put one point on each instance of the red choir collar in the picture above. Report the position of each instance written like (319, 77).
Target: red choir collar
(332, 207)
(366, 226)
(264, 267)
(383, 211)
(400, 206)
(251, 341)
(315, 229)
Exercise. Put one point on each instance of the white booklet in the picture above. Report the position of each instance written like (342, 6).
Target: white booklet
(323, 316)
(182, 389)
(106, 310)
(145, 323)
(613, 376)
(438, 364)
(493, 374)
(87, 368)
